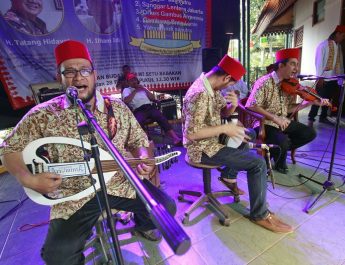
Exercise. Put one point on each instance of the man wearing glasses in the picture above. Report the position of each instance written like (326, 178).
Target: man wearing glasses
(71, 222)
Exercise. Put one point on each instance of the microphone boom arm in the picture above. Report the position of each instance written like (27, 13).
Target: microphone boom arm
(173, 233)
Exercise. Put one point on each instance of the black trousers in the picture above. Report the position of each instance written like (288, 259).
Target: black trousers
(329, 90)
(66, 239)
(295, 135)
(148, 111)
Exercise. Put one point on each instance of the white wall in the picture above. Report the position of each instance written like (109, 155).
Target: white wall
(303, 12)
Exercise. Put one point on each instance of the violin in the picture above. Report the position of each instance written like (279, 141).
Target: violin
(293, 87)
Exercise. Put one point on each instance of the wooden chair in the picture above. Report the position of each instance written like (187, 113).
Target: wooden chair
(207, 196)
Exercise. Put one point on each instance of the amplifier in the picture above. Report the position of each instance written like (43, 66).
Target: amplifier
(168, 108)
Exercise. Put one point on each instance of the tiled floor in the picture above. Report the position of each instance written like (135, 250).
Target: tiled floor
(319, 236)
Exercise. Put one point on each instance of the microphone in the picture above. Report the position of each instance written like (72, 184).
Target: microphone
(72, 93)
(304, 76)
(262, 146)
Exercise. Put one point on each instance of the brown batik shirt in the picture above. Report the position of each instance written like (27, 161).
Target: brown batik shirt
(201, 108)
(58, 118)
(268, 95)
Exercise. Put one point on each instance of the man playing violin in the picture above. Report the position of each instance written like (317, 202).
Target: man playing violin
(328, 62)
(71, 222)
(268, 99)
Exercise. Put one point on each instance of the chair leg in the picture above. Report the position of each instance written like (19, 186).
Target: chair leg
(293, 153)
(221, 211)
(196, 204)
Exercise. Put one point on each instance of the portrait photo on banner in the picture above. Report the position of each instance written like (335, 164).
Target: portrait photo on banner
(40, 17)
(99, 16)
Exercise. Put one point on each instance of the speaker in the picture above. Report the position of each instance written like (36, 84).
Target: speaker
(168, 108)
(225, 19)
(210, 58)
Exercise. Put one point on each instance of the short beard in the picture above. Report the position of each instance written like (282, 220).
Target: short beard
(89, 96)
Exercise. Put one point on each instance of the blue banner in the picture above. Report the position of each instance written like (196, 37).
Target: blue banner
(160, 39)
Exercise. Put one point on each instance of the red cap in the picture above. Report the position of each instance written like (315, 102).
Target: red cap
(232, 67)
(287, 54)
(71, 49)
(130, 76)
(340, 28)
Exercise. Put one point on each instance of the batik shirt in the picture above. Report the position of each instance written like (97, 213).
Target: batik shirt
(329, 59)
(201, 108)
(58, 118)
(36, 27)
(268, 95)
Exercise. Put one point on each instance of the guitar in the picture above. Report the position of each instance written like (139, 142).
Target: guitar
(38, 164)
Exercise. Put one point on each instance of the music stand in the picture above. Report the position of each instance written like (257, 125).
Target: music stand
(328, 185)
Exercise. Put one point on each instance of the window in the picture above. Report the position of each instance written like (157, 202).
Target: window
(319, 11)
(298, 37)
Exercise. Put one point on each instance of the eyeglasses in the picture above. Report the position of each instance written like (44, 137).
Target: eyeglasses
(70, 73)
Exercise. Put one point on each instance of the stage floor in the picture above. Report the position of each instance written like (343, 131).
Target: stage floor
(319, 236)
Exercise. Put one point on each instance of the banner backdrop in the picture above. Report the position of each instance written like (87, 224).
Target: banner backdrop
(161, 40)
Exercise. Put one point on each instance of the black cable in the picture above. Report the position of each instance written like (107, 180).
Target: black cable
(311, 177)
(313, 151)
(87, 162)
(86, 155)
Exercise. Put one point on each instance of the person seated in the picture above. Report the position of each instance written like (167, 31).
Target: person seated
(71, 222)
(121, 83)
(202, 110)
(269, 99)
(140, 99)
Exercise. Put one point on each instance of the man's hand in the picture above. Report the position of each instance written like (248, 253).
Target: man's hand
(322, 102)
(140, 87)
(235, 131)
(43, 182)
(146, 170)
(231, 97)
(282, 122)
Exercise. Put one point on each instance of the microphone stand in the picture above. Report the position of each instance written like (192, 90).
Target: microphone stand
(268, 160)
(173, 233)
(328, 185)
(86, 128)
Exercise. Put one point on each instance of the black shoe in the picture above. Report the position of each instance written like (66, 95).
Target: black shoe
(281, 169)
(326, 121)
(152, 235)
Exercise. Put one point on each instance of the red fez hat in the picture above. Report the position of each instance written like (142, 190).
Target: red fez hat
(287, 54)
(71, 49)
(340, 28)
(130, 76)
(232, 67)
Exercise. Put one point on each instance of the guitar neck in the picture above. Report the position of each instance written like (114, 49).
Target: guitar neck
(73, 169)
(111, 165)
